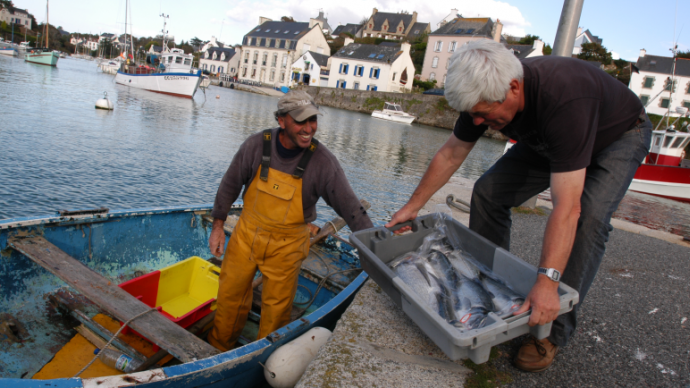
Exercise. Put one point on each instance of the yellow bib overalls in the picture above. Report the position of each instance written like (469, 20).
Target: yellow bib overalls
(271, 235)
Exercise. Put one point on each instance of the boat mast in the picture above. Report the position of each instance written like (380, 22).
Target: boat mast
(164, 42)
(47, 32)
(670, 87)
(131, 39)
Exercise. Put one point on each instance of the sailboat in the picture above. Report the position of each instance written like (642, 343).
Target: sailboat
(172, 74)
(43, 56)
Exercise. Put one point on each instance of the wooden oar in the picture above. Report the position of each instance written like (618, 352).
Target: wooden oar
(328, 228)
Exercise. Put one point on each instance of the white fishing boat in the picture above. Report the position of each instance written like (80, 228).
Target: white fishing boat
(111, 66)
(393, 112)
(173, 75)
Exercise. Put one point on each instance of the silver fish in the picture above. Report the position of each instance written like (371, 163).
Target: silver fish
(473, 304)
(427, 285)
(506, 301)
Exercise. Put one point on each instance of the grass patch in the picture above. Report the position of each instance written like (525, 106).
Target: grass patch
(353, 99)
(442, 105)
(373, 103)
(411, 102)
(486, 375)
(528, 210)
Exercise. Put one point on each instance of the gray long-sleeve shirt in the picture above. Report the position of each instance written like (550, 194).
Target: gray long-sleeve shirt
(323, 178)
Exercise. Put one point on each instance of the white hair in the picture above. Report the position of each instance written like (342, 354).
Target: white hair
(480, 71)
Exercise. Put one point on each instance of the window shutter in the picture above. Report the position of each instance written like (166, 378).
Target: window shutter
(344, 83)
(337, 83)
(371, 71)
(341, 69)
(346, 68)
(378, 71)
(368, 86)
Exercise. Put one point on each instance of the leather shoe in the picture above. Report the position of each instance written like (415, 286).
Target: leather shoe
(535, 355)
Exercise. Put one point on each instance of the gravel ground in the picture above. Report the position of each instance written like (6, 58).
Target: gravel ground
(634, 327)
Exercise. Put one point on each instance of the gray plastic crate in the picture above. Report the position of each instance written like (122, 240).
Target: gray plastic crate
(378, 246)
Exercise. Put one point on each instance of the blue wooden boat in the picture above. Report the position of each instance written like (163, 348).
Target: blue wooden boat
(119, 246)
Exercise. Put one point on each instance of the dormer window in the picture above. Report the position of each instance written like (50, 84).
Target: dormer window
(206, 55)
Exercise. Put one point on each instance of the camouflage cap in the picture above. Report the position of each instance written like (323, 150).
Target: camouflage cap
(298, 104)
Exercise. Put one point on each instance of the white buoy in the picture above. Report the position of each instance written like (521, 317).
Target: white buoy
(287, 364)
(104, 103)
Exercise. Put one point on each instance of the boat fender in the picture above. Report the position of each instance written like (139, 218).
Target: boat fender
(104, 103)
(287, 364)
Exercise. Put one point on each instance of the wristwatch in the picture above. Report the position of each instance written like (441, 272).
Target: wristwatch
(551, 273)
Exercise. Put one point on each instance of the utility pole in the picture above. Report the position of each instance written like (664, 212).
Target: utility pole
(567, 28)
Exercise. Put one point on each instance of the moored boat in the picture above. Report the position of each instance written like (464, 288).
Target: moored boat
(43, 56)
(665, 172)
(118, 246)
(393, 112)
(9, 51)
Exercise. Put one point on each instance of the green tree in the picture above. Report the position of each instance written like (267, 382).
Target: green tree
(595, 52)
(417, 52)
(528, 39)
(683, 54)
(547, 49)
(6, 3)
(196, 43)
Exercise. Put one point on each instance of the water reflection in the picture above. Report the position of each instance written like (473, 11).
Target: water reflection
(58, 152)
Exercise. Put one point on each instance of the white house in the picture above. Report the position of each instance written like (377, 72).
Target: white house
(270, 48)
(107, 36)
(211, 43)
(12, 15)
(386, 68)
(308, 69)
(523, 51)
(584, 37)
(653, 83)
(219, 60)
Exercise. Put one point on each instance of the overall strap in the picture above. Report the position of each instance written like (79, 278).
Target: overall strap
(266, 155)
(302, 165)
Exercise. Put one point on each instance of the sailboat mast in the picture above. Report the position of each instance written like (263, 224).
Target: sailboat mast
(126, 6)
(47, 23)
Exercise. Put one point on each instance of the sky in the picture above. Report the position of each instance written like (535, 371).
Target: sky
(626, 26)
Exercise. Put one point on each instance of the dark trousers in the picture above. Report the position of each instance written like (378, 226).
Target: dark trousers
(521, 173)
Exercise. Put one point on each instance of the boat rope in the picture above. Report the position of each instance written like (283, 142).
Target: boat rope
(335, 230)
(273, 375)
(113, 338)
(451, 201)
(322, 282)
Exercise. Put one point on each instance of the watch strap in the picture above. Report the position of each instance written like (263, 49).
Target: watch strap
(551, 273)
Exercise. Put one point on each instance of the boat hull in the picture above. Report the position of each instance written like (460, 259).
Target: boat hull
(46, 59)
(174, 84)
(116, 244)
(663, 181)
(391, 117)
(9, 52)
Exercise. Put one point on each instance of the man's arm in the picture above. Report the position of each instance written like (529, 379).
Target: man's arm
(566, 192)
(216, 241)
(446, 161)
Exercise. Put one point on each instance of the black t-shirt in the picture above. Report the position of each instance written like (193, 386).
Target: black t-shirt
(572, 111)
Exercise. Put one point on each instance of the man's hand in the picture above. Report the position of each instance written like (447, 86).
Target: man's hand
(216, 241)
(544, 301)
(402, 215)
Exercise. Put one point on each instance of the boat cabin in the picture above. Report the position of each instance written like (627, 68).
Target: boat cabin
(667, 147)
(392, 106)
(176, 61)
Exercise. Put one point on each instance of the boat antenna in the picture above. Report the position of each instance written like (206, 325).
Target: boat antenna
(164, 40)
(674, 50)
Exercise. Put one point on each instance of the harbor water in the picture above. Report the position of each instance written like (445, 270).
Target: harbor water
(58, 152)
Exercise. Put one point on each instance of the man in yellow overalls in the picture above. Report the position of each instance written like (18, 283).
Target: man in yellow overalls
(284, 172)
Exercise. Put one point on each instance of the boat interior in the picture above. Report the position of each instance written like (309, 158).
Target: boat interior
(59, 280)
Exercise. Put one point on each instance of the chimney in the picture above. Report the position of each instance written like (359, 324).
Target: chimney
(496, 30)
(579, 31)
(263, 20)
(313, 22)
(405, 47)
(538, 45)
(414, 16)
(348, 40)
(375, 11)
(643, 52)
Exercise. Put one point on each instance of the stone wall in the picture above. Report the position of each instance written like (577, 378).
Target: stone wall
(430, 110)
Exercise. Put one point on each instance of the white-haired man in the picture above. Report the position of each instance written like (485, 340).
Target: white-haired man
(579, 131)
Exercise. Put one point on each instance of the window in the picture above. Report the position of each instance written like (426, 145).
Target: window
(444, 79)
(370, 26)
(206, 55)
(359, 71)
(286, 31)
(676, 143)
(213, 68)
(268, 30)
(244, 71)
(459, 31)
(256, 58)
(273, 75)
(374, 73)
(394, 76)
(434, 62)
(380, 56)
(253, 72)
(372, 55)
(215, 56)
(276, 31)
(667, 141)
(178, 59)
(432, 76)
(451, 48)
(438, 46)
(187, 61)
(340, 84)
(246, 58)
(664, 103)
(264, 60)
(686, 104)
(275, 60)
(282, 43)
(284, 62)
(273, 43)
(343, 68)
(282, 76)
(263, 42)
(416, 32)
(667, 85)
(355, 86)
(296, 32)
(644, 99)
(471, 30)
(648, 82)
(253, 42)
